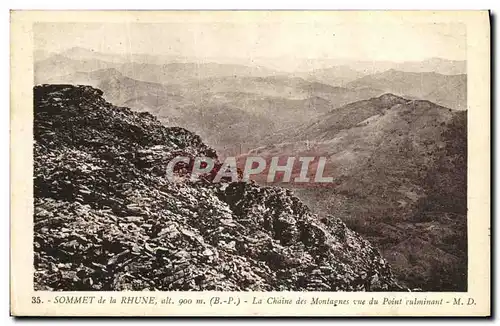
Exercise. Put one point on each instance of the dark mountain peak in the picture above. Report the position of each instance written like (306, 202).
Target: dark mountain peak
(102, 199)
(389, 97)
(388, 100)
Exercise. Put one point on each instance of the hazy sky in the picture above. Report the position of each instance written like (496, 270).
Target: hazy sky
(374, 41)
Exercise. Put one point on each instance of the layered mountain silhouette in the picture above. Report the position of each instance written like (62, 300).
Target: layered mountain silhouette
(394, 134)
(338, 75)
(59, 65)
(339, 67)
(438, 80)
(446, 90)
(232, 113)
(437, 65)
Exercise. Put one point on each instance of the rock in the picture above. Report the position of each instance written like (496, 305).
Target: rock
(106, 217)
(207, 252)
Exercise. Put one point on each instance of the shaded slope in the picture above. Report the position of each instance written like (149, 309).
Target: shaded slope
(399, 169)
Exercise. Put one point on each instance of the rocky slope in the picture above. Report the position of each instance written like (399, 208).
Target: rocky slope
(107, 218)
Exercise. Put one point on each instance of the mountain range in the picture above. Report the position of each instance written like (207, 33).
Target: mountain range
(186, 93)
(438, 65)
(232, 113)
(446, 90)
(395, 135)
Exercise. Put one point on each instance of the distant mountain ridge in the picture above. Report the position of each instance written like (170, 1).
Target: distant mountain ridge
(439, 65)
(333, 71)
(337, 75)
(232, 113)
(446, 90)
(357, 81)
(168, 72)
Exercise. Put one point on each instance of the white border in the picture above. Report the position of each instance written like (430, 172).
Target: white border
(188, 4)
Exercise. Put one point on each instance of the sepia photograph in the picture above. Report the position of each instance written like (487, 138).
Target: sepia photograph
(255, 154)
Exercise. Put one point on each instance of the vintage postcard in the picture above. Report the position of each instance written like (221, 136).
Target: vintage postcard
(250, 163)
